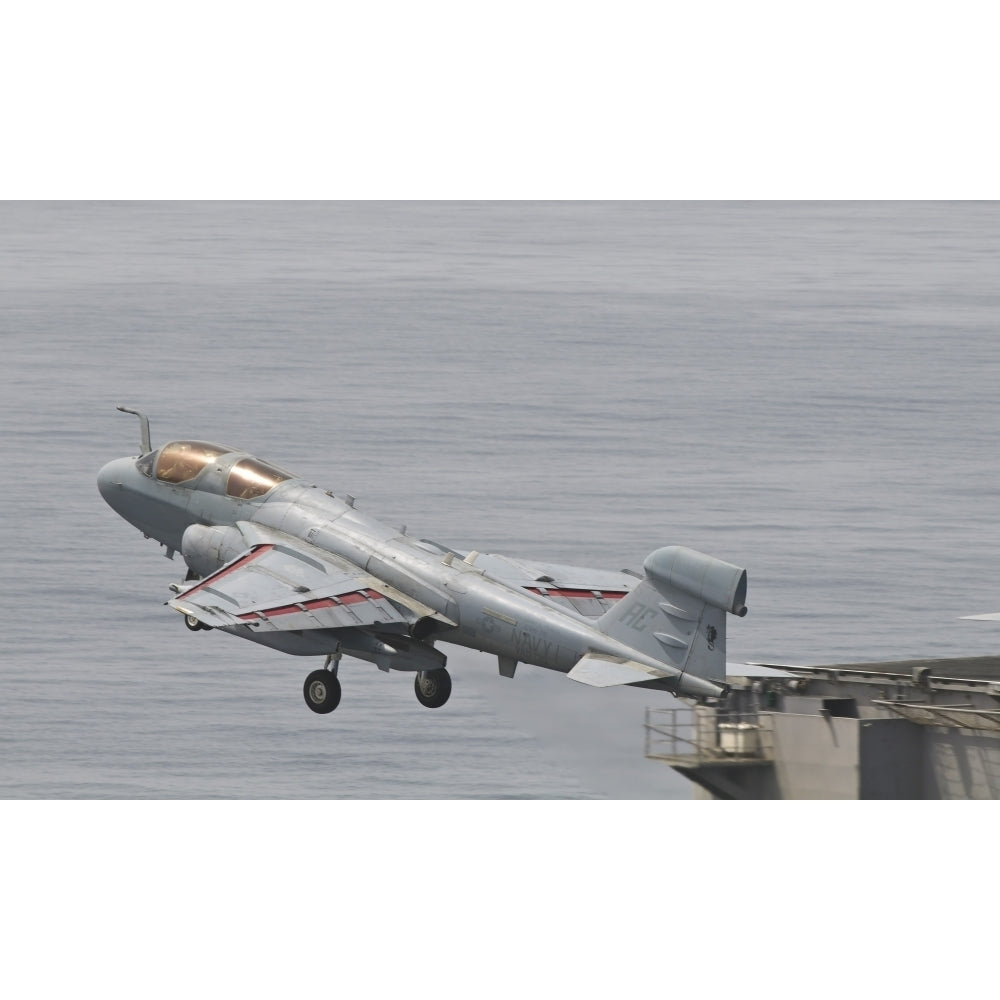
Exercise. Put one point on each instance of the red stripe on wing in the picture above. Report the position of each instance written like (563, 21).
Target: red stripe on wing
(354, 597)
(607, 595)
(239, 564)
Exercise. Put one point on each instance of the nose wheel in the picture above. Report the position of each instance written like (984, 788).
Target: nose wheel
(433, 687)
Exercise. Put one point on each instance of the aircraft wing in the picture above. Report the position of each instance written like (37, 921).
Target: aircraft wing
(589, 592)
(281, 584)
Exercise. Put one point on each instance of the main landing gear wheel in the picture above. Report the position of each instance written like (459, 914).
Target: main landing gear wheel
(322, 691)
(432, 687)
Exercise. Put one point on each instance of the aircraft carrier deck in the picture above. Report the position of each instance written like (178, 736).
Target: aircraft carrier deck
(908, 729)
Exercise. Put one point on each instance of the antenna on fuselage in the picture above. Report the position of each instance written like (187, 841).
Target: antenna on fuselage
(144, 422)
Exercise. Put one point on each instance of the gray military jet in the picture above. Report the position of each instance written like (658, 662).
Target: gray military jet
(276, 560)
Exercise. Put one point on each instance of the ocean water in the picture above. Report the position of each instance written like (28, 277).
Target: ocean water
(808, 390)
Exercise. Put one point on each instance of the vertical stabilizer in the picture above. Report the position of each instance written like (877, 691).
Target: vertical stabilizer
(677, 614)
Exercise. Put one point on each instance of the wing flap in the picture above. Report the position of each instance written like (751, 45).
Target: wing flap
(361, 608)
(283, 584)
(589, 592)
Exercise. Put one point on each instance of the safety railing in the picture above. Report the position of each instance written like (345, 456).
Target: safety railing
(707, 736)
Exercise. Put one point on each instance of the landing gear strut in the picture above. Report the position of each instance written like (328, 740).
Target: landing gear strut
(322, 688)
(432, 687)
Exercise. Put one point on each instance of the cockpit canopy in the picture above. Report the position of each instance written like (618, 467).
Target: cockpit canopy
(251, 478)
(182, 461)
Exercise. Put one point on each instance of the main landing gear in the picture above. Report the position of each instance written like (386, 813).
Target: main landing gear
(322, 691)
(433, 687)
(322, 688)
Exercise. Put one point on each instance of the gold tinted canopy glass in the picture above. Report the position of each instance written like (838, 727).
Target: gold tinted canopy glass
(251, 478)
(180, 461)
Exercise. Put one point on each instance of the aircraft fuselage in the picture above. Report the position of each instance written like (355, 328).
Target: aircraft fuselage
(223, 509)
(488, 614)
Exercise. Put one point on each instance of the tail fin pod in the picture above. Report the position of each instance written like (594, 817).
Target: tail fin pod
(677, 614)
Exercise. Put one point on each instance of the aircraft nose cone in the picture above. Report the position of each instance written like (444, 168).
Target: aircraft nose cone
(111, 480)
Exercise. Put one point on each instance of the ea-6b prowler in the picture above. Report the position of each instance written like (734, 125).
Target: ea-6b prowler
(276, 560)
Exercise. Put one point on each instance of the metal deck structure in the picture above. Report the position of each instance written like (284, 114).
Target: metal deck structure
(907, 729)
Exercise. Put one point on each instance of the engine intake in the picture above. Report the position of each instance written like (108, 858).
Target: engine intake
(205, 549)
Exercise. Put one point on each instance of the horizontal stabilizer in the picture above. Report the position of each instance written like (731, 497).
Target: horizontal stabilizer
(609, 671)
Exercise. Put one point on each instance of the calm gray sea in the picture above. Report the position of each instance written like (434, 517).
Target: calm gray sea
(809, 390)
